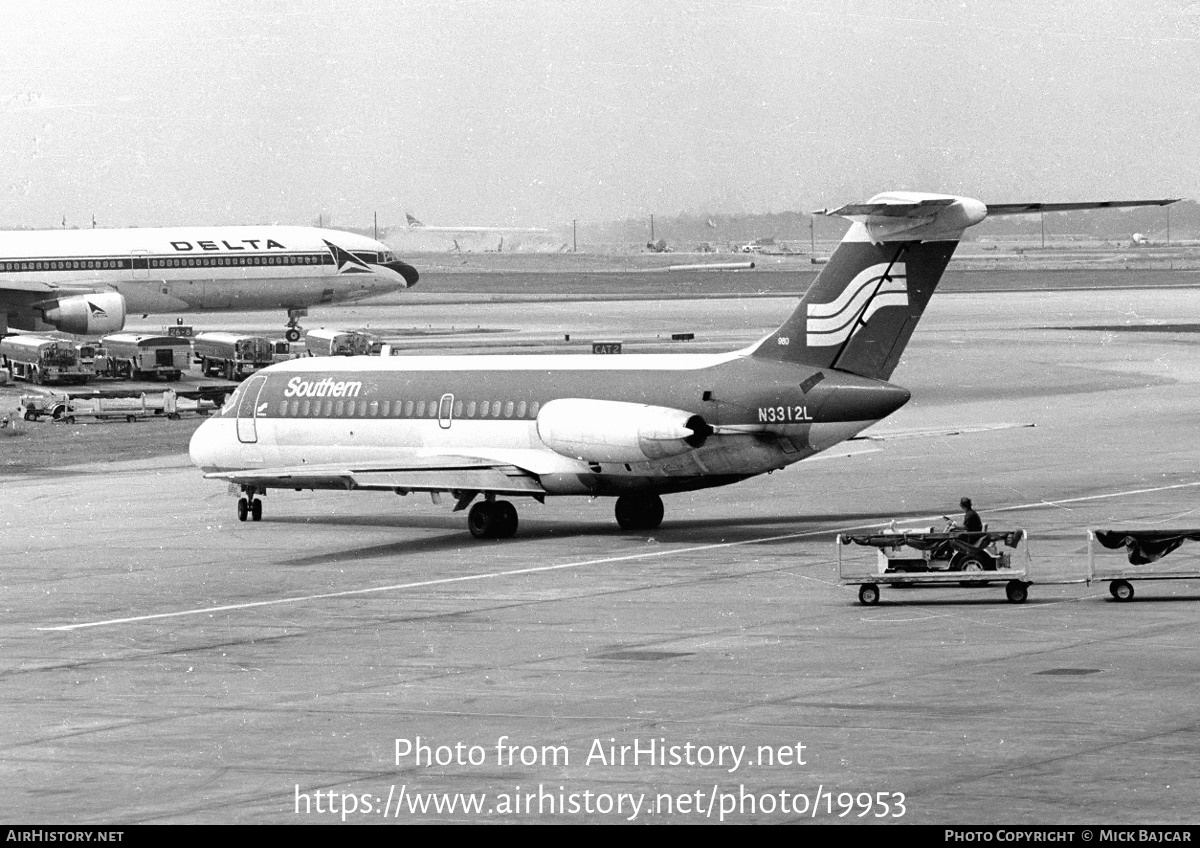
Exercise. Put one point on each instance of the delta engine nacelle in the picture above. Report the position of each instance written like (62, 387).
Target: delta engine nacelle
(86, 314)
(615, 431)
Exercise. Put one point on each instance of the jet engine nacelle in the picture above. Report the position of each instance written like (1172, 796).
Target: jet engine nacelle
(615, 431)
(86, 314)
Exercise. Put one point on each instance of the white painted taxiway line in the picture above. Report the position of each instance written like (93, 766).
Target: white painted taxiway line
(516, 572)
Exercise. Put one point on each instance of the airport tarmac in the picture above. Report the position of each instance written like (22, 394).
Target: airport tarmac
(163, 662)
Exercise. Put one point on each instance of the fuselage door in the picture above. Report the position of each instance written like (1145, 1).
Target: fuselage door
(140, 263)
(446, 411)
(247, 411)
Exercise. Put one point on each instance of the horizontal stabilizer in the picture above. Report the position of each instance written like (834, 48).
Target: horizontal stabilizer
(891, 208)
(1028, 208)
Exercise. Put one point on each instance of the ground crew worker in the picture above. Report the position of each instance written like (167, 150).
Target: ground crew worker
(971, 522)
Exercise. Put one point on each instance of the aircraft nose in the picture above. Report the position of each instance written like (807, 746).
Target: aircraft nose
(202, 449)
(408, 272)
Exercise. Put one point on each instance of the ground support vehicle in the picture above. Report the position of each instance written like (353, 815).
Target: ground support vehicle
(923, 557)
(100, 405)
(324, 342)
(44, 405)
(137, 356)
(1144, 549)
(282, 350)
(43, 359)
(230, 355)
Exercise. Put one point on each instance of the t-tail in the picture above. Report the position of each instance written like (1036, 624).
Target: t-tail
(860, 312)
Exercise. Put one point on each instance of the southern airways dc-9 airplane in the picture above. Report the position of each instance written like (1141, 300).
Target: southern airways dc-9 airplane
(632, 426)
(87, 281)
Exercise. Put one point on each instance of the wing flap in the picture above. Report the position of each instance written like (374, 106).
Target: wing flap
(437, 475)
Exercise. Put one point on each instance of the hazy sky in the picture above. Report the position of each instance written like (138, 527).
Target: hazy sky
(526, 112)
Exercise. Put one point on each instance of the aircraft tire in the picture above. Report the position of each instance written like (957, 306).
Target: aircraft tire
(639, 512)
(256, 510)
(481, 520)
(505, 515)
(292, 335)
(243, 509)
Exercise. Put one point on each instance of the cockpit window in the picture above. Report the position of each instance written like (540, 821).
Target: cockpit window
(229, 406)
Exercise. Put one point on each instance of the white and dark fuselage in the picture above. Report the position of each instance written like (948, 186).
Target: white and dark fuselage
(636, 427)
(577, 424)
(186, 269)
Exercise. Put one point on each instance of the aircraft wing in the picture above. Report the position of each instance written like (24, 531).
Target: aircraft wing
(419, 474)
(82, 287)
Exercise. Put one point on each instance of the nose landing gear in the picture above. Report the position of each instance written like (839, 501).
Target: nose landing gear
(293, 324)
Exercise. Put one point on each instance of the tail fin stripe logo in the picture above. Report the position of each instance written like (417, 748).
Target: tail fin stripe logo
(871, 289)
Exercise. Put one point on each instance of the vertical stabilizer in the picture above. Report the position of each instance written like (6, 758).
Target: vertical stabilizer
(864, 305)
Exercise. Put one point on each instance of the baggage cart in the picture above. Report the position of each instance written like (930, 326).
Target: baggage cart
(1143, 549)
(908, 557)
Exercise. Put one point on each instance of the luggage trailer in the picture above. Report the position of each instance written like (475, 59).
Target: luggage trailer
(910, 558)
(1145, 545)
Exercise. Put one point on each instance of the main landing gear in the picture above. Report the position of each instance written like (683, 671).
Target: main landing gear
(639, 512)
(293, 324)
(492, 520)
(249, 506)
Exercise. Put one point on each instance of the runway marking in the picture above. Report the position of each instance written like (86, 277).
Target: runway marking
(440, 581)
(444, 581)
